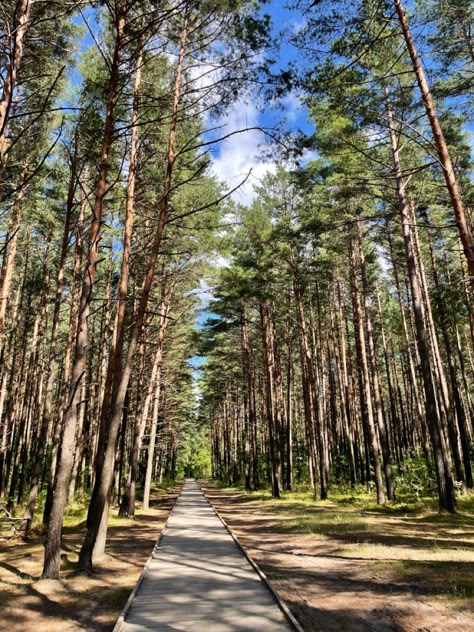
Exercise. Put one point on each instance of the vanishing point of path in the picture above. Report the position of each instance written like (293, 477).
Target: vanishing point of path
(199, 580)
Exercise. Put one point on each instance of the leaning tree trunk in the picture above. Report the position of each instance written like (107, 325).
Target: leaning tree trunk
(66, 366)
(114, 364)
(116, 352)
(53, 543)
(462, 222)
(50, 368)
(104, 477)
(152, 441)
(164, 311)
(448, 414)
(127, 506)
(458, 404)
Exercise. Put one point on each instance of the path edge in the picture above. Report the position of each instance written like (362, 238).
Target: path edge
(121, 619)
(281, 604)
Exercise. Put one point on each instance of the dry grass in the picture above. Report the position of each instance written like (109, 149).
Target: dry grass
(77, 602)
(347, 564)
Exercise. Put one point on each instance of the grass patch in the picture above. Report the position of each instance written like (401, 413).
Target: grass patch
(326, 523)
(450, 579)
(359, 499)
(118, 598)
(75, 514)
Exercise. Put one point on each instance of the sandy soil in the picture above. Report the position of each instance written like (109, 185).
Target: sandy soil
(379, 574)
(77, 602)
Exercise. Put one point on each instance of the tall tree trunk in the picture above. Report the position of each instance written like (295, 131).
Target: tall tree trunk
(339, 350)
(364, 379)
(306, 370)
(104, 475)
(8, 263)
(458, 404)
(50, 369)
(114, 365)
(270, 389)
(116, 352)
(19, 29)
(444, 399)
(53, 543)
(289, 408)
(152, 441)
(462, 222)
(376, 385)
(72, 327)
(249, 411)
(447, 501)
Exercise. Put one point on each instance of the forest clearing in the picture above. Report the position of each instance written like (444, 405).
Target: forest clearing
(236, 315)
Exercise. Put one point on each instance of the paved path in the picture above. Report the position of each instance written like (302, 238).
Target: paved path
(198, 579)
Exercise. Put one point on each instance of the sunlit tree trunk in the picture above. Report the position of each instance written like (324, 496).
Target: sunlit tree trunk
(105, 469)
(462, 222)
(53, 543)
(19, 30)
(444, 477)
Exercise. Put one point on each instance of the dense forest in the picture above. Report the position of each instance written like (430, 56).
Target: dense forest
(336, 343)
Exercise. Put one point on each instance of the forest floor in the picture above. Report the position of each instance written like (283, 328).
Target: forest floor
(346, 565)
(78, 602)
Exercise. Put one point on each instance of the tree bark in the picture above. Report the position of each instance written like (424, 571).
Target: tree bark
(104, 474)
(53, 544)
(447, 501)
(19, 29)
(377, 390)
(462, 222)
(364, 378)
(50, 369)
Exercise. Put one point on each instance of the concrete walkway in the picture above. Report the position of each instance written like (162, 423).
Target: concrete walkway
(198, 579)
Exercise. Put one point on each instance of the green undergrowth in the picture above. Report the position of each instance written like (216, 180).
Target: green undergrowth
(452, 579)
(75, 514)
(356, 498)
(351, 510)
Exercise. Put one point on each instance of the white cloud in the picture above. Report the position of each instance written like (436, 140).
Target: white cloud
(240, 153)
(292, 106)
(308, 156)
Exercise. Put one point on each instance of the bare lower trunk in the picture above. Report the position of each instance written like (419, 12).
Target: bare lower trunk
(270, 388)
(152, 441)
(50, 369)
(309, 402)
(379, 413)
(364, 380)
(446, 494)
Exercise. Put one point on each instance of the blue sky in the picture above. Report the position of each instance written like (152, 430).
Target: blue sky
(236, 156)
(242, 152)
